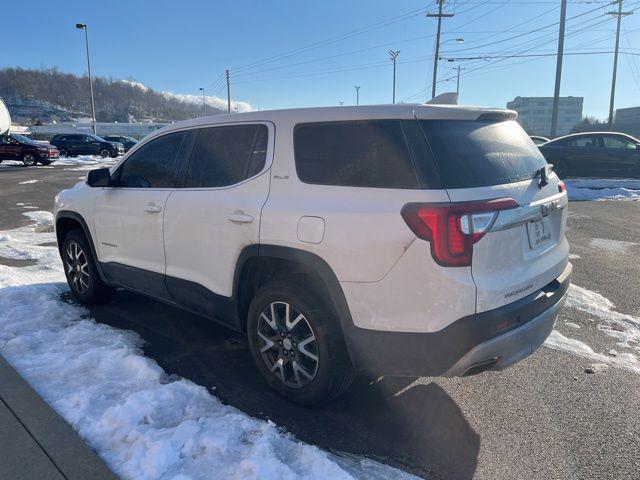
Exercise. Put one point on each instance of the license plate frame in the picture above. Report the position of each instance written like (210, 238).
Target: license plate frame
(538, 232)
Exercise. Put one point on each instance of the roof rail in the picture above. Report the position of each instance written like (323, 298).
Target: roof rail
(446, 98)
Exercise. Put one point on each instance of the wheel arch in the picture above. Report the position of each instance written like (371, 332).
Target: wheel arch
(257, 263)
(67, 220)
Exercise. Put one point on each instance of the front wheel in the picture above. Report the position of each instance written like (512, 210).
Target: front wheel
(104, 153)
(29, 159)
(80, 269)
(297, 344)
(63, 152)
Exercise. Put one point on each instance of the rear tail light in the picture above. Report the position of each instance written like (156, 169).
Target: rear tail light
(453, 228)
(561, 186)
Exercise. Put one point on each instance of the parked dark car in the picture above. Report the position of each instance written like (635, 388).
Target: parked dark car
(72, 144)
(18, 147)
(127, 142)
(594, 154)
(538, 140)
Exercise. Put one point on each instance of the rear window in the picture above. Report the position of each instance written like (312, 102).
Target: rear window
(370, 153)
(480, 153)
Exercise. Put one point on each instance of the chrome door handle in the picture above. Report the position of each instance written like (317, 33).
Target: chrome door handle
(153, 208)
(240, 218)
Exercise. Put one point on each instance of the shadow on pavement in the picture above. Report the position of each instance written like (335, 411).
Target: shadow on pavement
(418, 428)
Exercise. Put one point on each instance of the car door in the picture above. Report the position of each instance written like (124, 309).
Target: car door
(585, 155)
(9, 148)
(216, 215)
(90, 145)
(622, 155)
(73, 144)
(129, 215)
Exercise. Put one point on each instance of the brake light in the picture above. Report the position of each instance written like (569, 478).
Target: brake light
(453, 228)
(561, 186)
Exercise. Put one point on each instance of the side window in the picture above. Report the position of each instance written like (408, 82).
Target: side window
(618, 142)
(226, 155)
(153, 165)
(370, 153)
(586, 142)
(4, 140)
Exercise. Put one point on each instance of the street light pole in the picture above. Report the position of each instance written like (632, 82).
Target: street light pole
(394, 55)
(83, 26)
(204, 105)
(439, 15)
(357, 87)
(228, 91)
(618, 14)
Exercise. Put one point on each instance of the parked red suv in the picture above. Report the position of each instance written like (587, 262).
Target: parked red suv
(17, 147)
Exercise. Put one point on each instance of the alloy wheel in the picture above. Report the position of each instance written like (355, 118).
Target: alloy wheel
(104, 153)
(29, 159)
(288, 344)
(77, 268)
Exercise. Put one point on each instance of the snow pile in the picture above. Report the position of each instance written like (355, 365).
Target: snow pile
(603, 189)
(144, 424)
(623, 328)
(84, 162)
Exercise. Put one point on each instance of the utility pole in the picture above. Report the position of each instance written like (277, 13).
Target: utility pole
(458, 81)
(341, 102)
(618, 14)
(439, 16)
(394, 55)
(204, 105)
(357, 87)
(83, 26)
(556, 92)
(228, 92)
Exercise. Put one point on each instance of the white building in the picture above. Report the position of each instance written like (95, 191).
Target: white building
(135, 130)
(534, 114)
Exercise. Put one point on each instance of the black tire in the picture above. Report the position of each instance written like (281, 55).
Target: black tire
(333, 373)
(104, 153)
(29, 159)
(561, 169)
(80, 269)
(63, 152)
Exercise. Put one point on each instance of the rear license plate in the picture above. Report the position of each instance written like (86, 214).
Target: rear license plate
(539, 233)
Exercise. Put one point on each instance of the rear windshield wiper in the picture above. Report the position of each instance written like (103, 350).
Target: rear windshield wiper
(542, 175)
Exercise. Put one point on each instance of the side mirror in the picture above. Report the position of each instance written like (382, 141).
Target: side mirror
(99, 178)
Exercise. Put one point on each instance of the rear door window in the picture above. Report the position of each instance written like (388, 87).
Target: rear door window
(226, 155)
(370, 153)
(471, 153)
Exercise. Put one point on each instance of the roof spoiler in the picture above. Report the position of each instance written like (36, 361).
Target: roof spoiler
(447, 98)
(5, 118)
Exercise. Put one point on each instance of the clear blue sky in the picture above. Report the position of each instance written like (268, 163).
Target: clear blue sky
(181, 46)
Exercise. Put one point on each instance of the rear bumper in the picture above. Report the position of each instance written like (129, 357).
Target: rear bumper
(491, 340)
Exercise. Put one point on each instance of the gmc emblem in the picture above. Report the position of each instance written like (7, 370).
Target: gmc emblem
(547, 208)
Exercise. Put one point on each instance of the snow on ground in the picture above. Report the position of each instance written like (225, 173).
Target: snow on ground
(603, 189)
(623, 328)
(82, 162)
(28, 181)
(143, 423)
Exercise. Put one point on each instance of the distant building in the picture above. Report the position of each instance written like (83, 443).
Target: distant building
(534, 114)
(135, 130)
(627, 120)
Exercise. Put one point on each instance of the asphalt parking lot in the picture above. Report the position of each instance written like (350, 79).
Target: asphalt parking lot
(543, 418)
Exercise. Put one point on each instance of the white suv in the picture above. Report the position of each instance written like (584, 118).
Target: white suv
(395, 239)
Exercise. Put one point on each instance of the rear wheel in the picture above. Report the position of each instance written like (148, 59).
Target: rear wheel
(104, 153)
(80, 269)
(29, 159)
(297, 344)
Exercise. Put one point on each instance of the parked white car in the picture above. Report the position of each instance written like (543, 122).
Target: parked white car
(395, 239)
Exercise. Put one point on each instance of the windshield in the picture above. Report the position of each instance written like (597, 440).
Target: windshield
(477, 154)
(23, 139)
